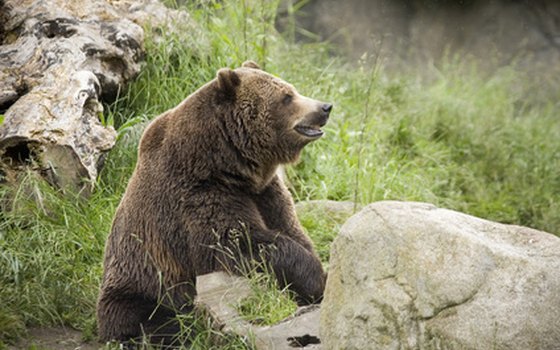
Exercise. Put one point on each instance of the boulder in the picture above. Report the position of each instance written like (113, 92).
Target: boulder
(329, 208)
(58, 61)
(153, 15)
(412, 276)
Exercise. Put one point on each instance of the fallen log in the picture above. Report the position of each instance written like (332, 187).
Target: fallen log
(218, 293)
(58, 61)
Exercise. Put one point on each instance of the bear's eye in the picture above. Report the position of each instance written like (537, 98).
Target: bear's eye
(287, 99)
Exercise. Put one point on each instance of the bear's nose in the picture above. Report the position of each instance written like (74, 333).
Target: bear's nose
(326, 108)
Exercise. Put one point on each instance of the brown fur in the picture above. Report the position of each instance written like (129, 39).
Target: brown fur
(207, 169)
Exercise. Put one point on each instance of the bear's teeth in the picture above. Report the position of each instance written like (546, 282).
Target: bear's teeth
(309, 131)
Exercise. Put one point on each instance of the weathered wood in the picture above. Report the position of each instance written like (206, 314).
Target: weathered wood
(219, 292)
(58, 61)
(217, 295)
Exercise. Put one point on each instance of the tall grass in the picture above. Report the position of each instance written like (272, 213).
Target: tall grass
(463, 140)
(51, 246)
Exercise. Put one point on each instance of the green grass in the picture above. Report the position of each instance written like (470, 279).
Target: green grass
(462, 140)
(267, 304)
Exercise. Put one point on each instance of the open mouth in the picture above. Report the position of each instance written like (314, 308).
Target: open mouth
(309, 131)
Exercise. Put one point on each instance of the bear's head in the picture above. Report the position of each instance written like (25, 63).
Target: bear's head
(266, 119)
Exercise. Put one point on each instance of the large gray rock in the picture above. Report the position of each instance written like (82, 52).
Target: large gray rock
(154, 15)
(329, 208)
(412, 276)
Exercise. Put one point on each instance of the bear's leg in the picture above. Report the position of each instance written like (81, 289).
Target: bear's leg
(235, 224)
(125, 318)
(293, 265)
(298, 268)
(163, 329)
(276, 207)
(120, 317)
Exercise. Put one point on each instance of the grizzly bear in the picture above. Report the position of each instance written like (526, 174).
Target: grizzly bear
(206, 177)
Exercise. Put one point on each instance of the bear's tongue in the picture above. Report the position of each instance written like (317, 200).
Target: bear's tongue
(309, 131)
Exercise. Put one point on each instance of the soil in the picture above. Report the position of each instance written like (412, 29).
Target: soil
(51, 338)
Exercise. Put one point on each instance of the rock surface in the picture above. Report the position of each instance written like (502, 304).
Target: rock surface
(412, 276)
(154, 15)
(328, 208)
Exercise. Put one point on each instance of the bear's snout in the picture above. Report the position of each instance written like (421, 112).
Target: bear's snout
(310, 126)
(325, 112)
(326, 108)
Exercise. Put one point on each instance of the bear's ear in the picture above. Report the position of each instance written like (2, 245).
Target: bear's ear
(228, 80)
(250, 64)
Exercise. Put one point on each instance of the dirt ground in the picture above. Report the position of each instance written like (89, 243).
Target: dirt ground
(54, 339)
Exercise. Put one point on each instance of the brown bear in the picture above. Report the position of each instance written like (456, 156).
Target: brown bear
(206, 172)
